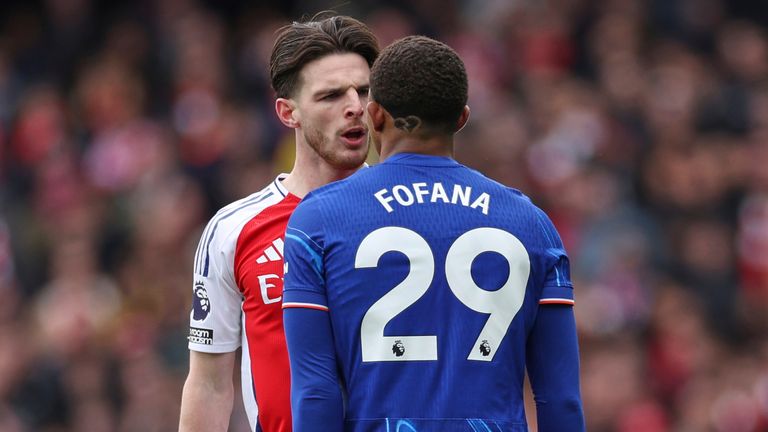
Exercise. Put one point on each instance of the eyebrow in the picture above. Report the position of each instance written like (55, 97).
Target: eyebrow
(340, 89)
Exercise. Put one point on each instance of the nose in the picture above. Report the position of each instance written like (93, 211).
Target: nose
(354, 108)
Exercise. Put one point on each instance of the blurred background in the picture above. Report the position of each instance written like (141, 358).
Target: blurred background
(641, 127)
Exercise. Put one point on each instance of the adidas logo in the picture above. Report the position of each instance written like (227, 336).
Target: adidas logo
(272, 253)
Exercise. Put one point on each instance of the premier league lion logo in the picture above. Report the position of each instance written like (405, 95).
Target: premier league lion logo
(201, 305)
(398, 348)
(485, 348)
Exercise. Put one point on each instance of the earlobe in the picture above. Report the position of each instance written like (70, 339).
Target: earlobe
(377, 114)
(286, 112)
(463, 118)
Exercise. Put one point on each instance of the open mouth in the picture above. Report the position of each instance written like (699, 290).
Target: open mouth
(354, 135)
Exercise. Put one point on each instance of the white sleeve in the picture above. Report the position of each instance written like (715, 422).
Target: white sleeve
(215, 324)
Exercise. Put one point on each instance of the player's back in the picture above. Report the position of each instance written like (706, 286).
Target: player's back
(434, 274)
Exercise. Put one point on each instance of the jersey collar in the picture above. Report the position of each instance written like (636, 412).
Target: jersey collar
(420, 159)
(278, 183)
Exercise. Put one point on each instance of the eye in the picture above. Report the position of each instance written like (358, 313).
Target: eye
(329, 96)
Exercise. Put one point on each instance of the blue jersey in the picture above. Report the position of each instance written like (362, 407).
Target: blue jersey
(431, 278)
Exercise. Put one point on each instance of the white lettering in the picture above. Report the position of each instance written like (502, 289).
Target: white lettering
(438, 193)
(400, 189)
(421, 192)
(483, 201)
(264, 285)
(418, 193)
(201, 333)
(384, 200)
(462, 194)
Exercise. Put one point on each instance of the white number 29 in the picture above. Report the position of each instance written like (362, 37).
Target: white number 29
(501, 305)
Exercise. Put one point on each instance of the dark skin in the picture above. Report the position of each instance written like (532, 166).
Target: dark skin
(409, 135)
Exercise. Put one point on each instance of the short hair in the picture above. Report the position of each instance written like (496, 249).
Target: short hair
(419, 76)
(299, 43)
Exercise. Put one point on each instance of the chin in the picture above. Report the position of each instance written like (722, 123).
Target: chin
(350, 162)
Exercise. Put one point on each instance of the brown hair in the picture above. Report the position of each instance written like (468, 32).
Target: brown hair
(299, 43)
(419, 76)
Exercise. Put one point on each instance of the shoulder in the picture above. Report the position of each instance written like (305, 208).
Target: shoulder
(242, 210)
(512, 193)
(223, 229)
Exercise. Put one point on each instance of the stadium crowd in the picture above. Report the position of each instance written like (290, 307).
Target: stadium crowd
(641, 127)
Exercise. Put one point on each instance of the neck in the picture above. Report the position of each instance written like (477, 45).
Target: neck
(310, 171)
(441, 145)
(302, 181)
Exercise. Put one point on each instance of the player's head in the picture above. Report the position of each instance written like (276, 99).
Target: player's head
(300, 43)
(319, 70)
(422, 85)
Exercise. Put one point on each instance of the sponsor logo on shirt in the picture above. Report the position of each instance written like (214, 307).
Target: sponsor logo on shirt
(201, 336)
(273, 253)
(271, 282)
(201, 304)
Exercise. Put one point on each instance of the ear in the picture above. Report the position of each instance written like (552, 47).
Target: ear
(378, 115)
(287, 113)
(463, 118)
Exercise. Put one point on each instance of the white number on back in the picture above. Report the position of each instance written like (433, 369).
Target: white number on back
(376, 346)
(501, 305)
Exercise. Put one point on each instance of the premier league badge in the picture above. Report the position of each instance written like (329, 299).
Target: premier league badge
(201, 305)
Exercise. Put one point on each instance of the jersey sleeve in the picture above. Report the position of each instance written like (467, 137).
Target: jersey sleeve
(553, 368)
(558, 288)
(552, 351)
(215, 320)
(304, 286)
(316, 401)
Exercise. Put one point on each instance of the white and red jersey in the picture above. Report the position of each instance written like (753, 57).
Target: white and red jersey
(238, 283)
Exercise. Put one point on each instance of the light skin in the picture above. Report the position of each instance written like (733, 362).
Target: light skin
(326, 113)
(206, 401)
(388, 139)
